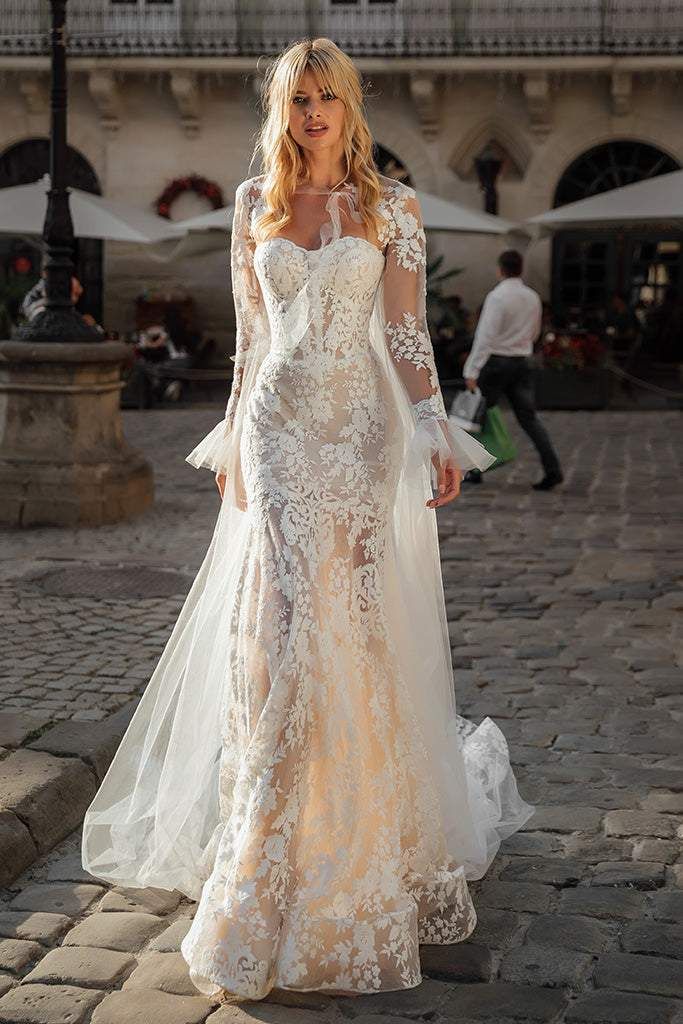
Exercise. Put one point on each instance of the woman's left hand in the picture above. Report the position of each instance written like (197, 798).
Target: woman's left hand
(448, 479)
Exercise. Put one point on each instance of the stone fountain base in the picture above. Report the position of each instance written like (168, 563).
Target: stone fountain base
(63, 458)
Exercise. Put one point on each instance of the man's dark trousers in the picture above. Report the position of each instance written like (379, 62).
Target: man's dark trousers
(512, 376)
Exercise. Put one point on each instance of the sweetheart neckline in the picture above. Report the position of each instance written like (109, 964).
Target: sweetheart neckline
(321, 248)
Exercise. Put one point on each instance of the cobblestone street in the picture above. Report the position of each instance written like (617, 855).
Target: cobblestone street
(566, 618)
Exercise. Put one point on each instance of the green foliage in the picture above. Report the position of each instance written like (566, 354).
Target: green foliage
(440, 311)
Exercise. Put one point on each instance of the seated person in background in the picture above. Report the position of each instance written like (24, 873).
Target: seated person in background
(33, 302)
(621, 324)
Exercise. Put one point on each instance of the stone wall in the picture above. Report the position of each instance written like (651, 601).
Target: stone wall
(144, 138)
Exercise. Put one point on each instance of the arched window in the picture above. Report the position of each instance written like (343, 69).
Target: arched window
(389, 164)
(611, 165)
(641, 265)
(28, 161)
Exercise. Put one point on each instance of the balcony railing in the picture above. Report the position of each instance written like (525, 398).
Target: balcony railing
(362, 27)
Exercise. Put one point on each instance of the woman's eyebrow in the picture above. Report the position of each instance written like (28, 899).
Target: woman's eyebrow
(301, 92)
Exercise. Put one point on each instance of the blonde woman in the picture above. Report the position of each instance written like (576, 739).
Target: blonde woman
(296, 764)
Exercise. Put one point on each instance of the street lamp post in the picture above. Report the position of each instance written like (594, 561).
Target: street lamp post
(59, 321)
(64, 460)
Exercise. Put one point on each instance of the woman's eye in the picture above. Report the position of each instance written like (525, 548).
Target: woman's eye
(329, 96)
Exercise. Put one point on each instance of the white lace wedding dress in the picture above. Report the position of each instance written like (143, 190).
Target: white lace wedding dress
(296, 763)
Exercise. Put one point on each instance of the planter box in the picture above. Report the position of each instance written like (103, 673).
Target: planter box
(572, 389)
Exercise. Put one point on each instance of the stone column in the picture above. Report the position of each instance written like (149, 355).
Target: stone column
(63, 458)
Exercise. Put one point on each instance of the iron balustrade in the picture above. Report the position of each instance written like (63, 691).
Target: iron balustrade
(362, 27)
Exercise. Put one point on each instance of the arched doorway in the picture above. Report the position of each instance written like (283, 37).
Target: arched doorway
(643, 266)
(21, 164)
(388, 163)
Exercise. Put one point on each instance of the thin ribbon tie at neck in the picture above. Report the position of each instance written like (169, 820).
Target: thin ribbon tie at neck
(331, 230)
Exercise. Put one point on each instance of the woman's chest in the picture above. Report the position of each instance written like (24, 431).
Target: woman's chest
(345, 270)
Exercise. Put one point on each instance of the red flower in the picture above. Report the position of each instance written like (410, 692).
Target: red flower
(22, 265)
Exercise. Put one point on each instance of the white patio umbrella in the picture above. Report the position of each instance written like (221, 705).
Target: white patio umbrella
(438, 215)
(205, 232)
(445, 215)
(22, 212)
(656, 200)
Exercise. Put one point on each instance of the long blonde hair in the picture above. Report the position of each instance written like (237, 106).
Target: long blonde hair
(283, 163)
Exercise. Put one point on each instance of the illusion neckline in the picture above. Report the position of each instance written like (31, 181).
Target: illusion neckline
(321, 248)
(314, 190)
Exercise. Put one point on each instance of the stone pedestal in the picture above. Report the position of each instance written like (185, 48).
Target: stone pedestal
(63, 458)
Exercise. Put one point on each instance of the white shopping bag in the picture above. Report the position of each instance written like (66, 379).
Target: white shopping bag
(468, 410)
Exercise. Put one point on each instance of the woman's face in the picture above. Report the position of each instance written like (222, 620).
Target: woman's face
(316, 117)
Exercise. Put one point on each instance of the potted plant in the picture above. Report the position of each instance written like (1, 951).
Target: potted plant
(572, 371)
(447, 319)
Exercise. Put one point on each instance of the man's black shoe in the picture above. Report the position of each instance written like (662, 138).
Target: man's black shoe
(472, 476)
(549, 481)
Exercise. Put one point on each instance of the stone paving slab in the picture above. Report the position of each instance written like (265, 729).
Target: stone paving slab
(45, 928)
(167, 972)
(125, 932)
(148, 901)
(48, 1004)
(78, 739)
(69, 899)
(81, 966)
(18, 954)
(141, 1007)
(47, 797)
(565, 625)
(17, 849)
(17, 727)
(169, 940)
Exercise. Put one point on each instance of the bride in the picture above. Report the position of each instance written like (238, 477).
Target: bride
(296, 764)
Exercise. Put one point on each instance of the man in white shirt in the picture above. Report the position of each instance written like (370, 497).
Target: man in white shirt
(500, 361)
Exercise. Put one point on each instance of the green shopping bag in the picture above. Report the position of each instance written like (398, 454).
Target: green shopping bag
(495, 438)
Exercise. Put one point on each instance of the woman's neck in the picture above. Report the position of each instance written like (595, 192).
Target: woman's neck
(326, 172)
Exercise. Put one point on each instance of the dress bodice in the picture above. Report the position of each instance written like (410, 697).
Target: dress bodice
(339, 280)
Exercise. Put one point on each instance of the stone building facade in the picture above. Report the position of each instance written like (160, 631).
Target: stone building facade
(571, 96)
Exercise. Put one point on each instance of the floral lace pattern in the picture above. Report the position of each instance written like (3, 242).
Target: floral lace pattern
(331, 865)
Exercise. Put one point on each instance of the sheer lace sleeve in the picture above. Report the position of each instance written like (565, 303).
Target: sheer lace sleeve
(250, 314)
(408, 340)
(218, 450)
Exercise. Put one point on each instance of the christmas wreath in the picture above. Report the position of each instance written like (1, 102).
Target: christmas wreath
(192, 183)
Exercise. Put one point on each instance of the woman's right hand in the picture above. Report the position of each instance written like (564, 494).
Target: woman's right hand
(449, 477)
(220, 483)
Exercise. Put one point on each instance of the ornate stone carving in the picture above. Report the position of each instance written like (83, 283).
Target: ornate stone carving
(538, 101)
(425, 93)
(33, 88)
(621, 88)
(506, 139)
(185, 90)
(104, 90)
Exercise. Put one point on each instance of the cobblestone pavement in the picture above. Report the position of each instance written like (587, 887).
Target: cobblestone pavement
(565, 617)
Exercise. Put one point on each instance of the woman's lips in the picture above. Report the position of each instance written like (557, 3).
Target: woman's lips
(318, 130)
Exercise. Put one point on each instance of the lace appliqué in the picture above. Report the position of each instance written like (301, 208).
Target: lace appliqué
(320, 737)
(430, 408)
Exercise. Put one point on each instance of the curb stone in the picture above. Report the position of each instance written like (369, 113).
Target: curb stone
(46, 786)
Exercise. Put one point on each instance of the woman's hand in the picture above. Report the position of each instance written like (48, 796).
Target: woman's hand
(448, 478)
(220, 483)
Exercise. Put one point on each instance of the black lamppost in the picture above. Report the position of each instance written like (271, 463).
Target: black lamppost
(59, 321)
(488, 167)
